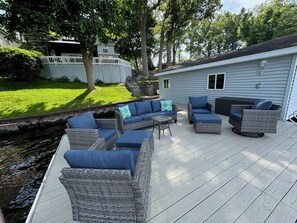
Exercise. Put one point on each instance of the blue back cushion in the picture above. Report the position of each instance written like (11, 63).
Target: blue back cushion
(156, 105)
(132, 108)
(256, 102)
(264, 105)
(143, 107)
(84, 121)
(198, 102)
(95, 159)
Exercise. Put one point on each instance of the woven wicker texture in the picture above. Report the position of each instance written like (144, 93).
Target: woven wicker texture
(110, 195)
(255, 121)
(85, 138)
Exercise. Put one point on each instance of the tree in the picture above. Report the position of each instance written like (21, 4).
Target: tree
(214, 36)
(269, 21)
(83, 20)
(128, 40)
(176, 18)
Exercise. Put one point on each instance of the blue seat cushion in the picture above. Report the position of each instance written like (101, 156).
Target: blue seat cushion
(198, 102)
(83, 121)
(132, 120)
(263, 105)
(236, 116)
(156, 105)
(96, 159)
(207, 118)
(107, 134)
(133, 139)
(148, 116)
(167, 113)
(200, 111)
(131, 106)
(143, 107)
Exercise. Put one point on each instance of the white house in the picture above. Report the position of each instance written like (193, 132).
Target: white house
(65, 59)
(5, 42)
(267, 70)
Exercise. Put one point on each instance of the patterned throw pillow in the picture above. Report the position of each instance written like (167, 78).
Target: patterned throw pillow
(166, 105)
(125, 111)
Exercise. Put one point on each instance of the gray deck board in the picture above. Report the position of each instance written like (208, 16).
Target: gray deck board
(200, 177)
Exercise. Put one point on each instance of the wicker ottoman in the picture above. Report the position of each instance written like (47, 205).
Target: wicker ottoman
(208, 123)
(133, 139)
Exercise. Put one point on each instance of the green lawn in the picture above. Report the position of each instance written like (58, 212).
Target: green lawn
(18, 99)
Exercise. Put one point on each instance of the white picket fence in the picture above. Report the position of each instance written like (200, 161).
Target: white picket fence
(108, 70)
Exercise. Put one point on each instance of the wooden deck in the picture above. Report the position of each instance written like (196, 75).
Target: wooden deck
(203, 178)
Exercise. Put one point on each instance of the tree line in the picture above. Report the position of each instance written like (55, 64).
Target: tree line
(147, 29)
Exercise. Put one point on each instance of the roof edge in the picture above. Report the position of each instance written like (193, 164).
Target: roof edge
(269, 54)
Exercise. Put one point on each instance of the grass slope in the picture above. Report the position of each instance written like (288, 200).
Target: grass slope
(19, 99)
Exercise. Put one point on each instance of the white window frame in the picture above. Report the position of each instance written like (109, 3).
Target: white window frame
(105, 48)
(215, 84)
(166, 80)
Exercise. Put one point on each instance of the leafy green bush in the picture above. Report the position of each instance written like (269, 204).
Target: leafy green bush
(76, 79)
(19, 64)
(62, 79)
(99, 82)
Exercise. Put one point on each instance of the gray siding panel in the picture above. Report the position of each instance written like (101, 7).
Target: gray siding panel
(240, 81)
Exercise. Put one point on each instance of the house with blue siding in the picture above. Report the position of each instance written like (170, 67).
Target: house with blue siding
(267, 70)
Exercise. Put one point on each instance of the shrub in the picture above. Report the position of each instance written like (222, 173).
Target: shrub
(77, 80)
(62, 79)
(19, 64)
(99, 82)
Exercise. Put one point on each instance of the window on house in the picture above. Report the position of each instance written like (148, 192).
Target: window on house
(216, 81)
(166, 83)
(105, 49)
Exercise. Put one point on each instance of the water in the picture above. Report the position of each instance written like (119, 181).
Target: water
(24, 159)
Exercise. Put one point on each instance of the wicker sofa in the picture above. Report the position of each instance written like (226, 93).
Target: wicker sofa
(110, 195)
(142, 112)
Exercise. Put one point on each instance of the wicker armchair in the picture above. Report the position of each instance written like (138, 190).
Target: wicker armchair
(198, 110)
(86, 138)
(254, 122)
(105, 195)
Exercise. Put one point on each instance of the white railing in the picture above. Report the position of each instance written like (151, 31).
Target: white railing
(78, 60)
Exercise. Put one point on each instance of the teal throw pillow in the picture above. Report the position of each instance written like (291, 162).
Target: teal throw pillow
(125, 111)
(166, 105)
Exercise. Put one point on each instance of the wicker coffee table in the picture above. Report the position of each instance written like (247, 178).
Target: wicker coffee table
(161, 122)
(207, 123)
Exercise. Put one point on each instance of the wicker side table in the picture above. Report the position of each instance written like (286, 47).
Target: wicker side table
(207, 123)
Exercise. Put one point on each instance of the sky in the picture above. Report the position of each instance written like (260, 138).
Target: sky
(234, 6)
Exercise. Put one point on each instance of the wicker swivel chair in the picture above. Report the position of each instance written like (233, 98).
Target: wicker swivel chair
(104, 134)
(252, 122)
(110, 195)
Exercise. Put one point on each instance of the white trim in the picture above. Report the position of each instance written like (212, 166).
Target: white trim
(291, 78)
(215, 84)
(168, 84)
(258, 56)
